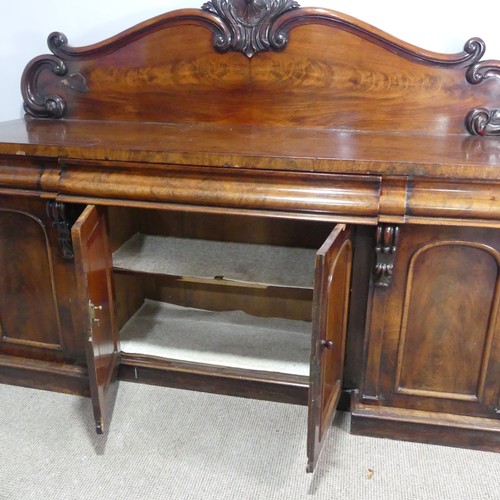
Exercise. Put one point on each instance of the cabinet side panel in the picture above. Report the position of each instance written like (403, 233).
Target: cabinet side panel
(28, 306)
(448, 320)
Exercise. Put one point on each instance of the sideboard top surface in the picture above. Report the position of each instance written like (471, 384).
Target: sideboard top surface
(265, 85)
(274, 148)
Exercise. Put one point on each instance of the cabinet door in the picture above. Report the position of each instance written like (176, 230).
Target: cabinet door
(36, 285)
(94, 276)
(330, 308)
(434, 337)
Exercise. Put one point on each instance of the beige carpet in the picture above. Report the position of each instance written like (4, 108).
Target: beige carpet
(173, 444)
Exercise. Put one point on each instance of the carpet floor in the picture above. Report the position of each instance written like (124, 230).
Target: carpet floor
(174, 444)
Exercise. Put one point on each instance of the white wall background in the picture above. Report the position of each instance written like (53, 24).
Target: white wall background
(440, 26)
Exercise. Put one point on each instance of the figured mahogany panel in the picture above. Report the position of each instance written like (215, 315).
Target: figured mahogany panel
(29, 313)
(444, 351)
(335, 79)
(433, 338)
(37, 282)
(142, 81)
(239, 63)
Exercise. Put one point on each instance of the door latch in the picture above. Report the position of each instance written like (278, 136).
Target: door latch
(93, 319)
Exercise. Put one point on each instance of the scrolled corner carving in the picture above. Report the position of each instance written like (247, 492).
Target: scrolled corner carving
(482, 121)
(249, 24)
(481, 71)
(35, 104)
(478, 70)
(475, 48)
(387, 239)
(56, 42)
(49, 106)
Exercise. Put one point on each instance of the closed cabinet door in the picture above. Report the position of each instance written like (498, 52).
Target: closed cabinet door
(434, 339)
(95, 292)
(36, 284)
(330, 309)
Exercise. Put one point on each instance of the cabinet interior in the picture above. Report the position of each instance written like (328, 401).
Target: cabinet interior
(220, 290)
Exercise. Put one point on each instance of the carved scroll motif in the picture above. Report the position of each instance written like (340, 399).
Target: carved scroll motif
(35, 104)
(56, 212)
(482, 121)
(250, 22)
(385, 252)
(49, 106)
(483, 70)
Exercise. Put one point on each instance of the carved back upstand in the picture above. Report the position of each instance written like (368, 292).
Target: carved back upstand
(303, 68)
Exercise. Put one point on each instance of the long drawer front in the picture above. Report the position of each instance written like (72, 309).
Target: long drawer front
(344, 197)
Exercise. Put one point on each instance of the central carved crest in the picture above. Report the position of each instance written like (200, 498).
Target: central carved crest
(250, 12)
(250, 21)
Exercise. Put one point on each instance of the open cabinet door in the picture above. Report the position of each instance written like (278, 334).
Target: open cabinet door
(330, 308)
(93, 265)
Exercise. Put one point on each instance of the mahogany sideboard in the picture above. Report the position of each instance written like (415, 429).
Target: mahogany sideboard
(259, 199)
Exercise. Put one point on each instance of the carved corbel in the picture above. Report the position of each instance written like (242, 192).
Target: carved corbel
(385, 253)
(56, 212)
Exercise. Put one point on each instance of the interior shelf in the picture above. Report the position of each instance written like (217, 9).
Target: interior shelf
(230, 262)
(230, 338)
